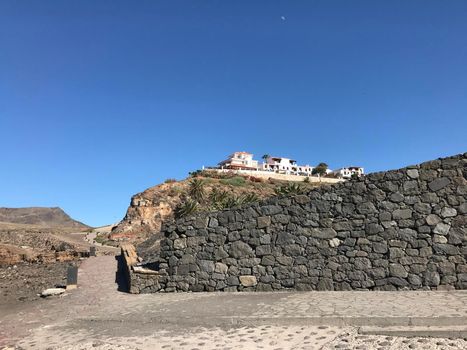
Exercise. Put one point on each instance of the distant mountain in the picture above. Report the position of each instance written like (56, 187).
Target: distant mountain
(40, 216)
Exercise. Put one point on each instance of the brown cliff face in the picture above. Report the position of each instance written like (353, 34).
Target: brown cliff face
(148, 210)
(155, 205)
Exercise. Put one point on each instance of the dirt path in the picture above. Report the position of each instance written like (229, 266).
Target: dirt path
(85, 240)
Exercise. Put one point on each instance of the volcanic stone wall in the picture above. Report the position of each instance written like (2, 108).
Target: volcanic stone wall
(401, 229)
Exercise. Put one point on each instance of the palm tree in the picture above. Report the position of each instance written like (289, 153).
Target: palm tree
(265, 157)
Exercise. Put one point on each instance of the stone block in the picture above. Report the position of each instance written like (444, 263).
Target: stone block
(457, 236)
(265, 239)
(325, 233)
(325, 284)
(447, 212)
(422, 208)
(239, 249)
(263, 221)
(432, 219)
(248, 281)
(397, 270)
(220, 253)
(395, 253)
(442, 228)
(414, 280)
(284, 238)
(402, 214)
(213, 222)
(268, 260)
(342, 226)
(397, 281)
(380, 247)
(413, 173)
(440, 239)
(221, 268)
(447, 249)
(180, 243)
(334, 243)
(439, 183)
(263, 250)
(200, 222)
(366, 208)
(426, 251)
(284, 260)
(432, 278)
(362, 263)
(396, 197)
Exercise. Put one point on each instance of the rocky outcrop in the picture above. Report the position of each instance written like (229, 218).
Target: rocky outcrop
(149, 209)
(401, 229)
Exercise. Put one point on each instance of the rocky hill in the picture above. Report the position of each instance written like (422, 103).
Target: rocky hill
(157, 204)
(39, 216)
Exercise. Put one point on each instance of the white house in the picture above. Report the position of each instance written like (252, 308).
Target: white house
(240, 160)
(286, 166)
(348, 172)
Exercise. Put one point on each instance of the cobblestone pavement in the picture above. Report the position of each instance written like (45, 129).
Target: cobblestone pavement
(368, 304)
(96, 315)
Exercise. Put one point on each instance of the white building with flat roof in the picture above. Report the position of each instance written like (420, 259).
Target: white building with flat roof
(239, 161)
(286, 166)
(280, 168)
(348, 172)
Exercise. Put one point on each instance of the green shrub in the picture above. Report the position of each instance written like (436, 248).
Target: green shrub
(196, 190)
(248, 198)
(195, 173)
(217, 196)
(230, 202)
(289, 189)
(169, 181)
(100, 239)
(185, 208)
(213, 174)
(219, 199)
(234, 181)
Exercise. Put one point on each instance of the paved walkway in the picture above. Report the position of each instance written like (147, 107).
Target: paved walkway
(98, 315)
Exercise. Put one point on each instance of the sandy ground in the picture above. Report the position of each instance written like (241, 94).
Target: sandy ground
(23, 282)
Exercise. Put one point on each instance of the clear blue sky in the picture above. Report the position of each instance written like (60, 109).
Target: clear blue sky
(101, 99)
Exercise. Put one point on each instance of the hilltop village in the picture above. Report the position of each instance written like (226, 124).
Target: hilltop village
(282, 168)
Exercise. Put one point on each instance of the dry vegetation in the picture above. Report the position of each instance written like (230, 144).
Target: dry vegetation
(202, 191)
